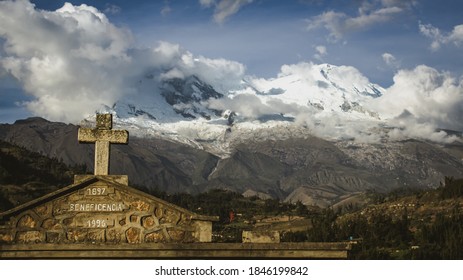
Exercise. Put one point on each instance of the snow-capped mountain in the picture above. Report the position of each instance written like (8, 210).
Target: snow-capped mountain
(298, 102)
(322, 87)
(308, 135)
(169, 100)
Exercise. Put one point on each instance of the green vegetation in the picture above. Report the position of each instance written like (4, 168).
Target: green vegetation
(451, 188)
(383, 235)
(380, 236)
(236, 212)
(443, 239)
(25, 175)
(403, 224)
(19, 166)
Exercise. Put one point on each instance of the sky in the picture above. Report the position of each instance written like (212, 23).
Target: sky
(41, 47)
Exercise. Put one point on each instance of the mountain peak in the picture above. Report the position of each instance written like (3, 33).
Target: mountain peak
(32, 120)
(304, 98)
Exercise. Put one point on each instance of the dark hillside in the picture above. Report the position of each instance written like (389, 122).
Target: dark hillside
(310, 170)
(25, 175)
(420, 224)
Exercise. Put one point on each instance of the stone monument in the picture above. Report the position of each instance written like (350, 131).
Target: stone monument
(102, 136)
(101, 216)
(102, 208)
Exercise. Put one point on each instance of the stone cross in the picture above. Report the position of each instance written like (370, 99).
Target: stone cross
(102, 136)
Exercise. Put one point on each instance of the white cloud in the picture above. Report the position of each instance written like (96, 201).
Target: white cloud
(438, 38)
(456, 36)
(321, 52)
(224, 8)
(425, 97)
(61, 57)
(419, 102)
(166, 9)
(222, 74)
(369, 13)
(112, 9)
(249, 106)
(331, 21)
(399, 3)
(73, 60)
(207, 3)
(390, 60)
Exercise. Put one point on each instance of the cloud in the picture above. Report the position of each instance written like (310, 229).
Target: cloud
(166, 9)
(293, 94)
(224, 8)
(112, 9)
(207, 3)
(438, 38)
(249, 106)
(321, 52)
(423, 97)
(370, 13)
(62, 57)
(73, 60)
(331, 21)
(390, 60)
(173, 61)
(419, 103)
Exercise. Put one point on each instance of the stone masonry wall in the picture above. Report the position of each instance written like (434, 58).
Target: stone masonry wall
(100, 213)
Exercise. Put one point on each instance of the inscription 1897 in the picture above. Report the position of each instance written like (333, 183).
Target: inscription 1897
(96, 191)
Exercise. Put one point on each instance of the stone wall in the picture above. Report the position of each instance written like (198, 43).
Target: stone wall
(260, 236)
(101, 213)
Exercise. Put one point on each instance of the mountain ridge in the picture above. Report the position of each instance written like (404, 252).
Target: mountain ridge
(274, 167)
(311, 128)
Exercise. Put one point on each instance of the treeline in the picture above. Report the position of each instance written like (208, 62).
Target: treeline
(451, 188)
(219, 202)
(382, 236)
(25, 175)
(443, 239)
(236, 212)
(379, 234)
(20, 166)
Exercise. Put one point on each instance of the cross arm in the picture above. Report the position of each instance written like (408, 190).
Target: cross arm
(92, 135)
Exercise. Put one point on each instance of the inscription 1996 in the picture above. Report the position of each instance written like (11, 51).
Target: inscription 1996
(96, 223)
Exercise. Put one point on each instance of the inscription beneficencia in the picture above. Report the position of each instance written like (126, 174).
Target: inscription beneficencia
(96, 207)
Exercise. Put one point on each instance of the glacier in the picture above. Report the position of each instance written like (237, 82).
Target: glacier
(324, 100)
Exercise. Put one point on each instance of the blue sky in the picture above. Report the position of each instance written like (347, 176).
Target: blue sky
(265, 34)
(378, 37)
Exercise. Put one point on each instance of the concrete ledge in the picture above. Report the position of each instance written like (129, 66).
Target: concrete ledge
(304, 250)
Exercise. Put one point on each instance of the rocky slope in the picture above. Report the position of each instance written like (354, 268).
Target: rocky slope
(309, 169)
